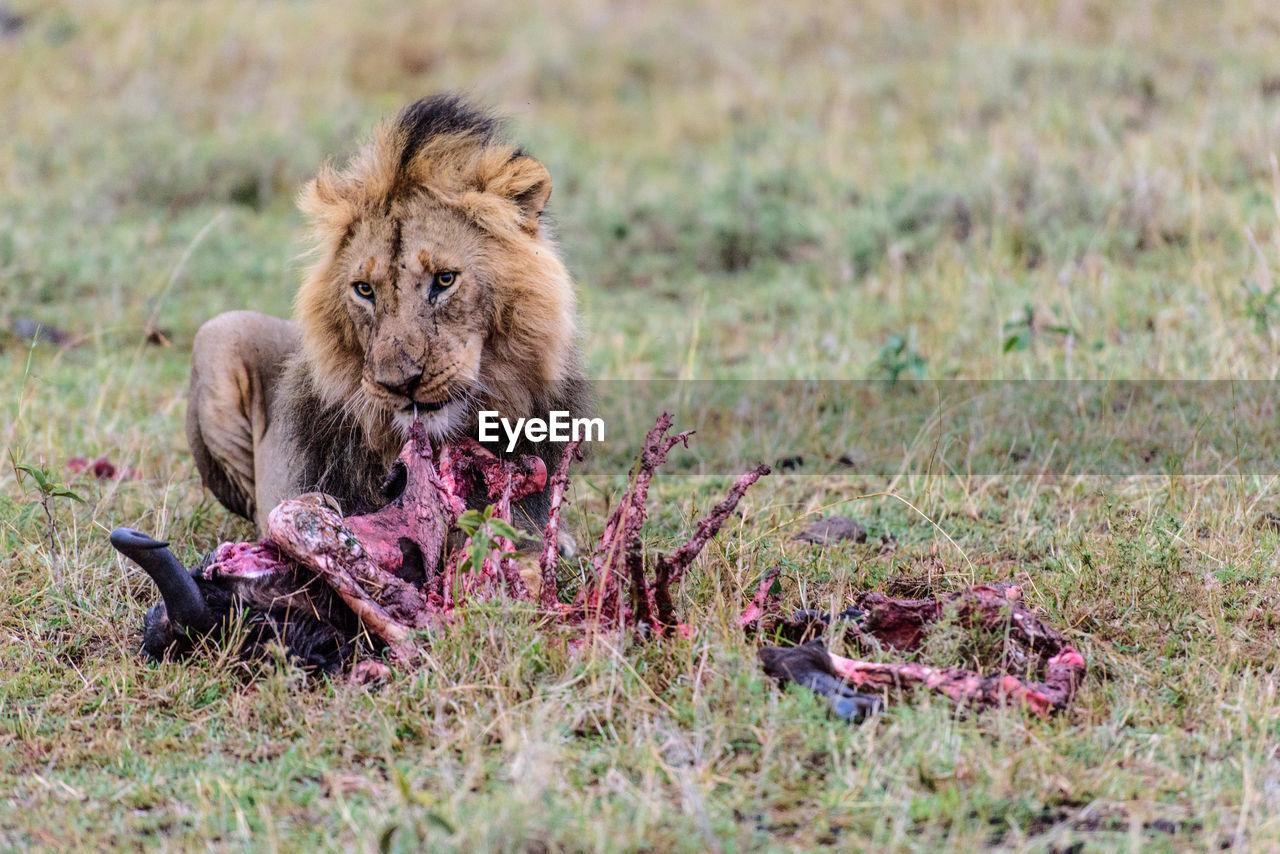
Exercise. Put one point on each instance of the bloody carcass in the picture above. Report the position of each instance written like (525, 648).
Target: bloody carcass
(1029, 648)
(324, 586)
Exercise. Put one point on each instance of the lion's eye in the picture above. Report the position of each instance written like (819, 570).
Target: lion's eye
(363, 289)
(444, 280)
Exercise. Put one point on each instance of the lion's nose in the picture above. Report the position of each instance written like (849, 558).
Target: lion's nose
(404, 388)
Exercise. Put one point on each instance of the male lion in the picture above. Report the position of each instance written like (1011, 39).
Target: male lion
(437, 291)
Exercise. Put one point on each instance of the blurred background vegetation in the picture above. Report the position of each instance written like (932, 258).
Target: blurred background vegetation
(756, 191)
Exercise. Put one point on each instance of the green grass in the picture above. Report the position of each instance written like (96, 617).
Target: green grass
(808, 190)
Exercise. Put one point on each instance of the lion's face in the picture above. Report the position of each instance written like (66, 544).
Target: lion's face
(419, 297)
(436, 288)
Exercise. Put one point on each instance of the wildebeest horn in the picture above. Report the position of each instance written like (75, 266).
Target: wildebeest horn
(182, 599)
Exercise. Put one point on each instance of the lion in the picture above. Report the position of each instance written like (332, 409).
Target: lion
(437, 291)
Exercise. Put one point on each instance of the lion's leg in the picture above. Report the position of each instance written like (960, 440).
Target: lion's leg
(237, 360)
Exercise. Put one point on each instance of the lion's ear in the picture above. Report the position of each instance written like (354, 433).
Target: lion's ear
(526, 182)
(326, 199)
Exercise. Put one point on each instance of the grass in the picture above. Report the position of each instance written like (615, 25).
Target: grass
(947, 191)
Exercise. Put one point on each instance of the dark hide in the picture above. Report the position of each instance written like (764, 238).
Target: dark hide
(315, 628)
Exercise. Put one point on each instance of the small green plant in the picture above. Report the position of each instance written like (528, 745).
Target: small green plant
(1022, 330)
(1262, 307)
(899, 356)
(48, 488)
(483, 529)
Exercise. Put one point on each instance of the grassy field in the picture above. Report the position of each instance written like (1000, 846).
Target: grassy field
(949, 190)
